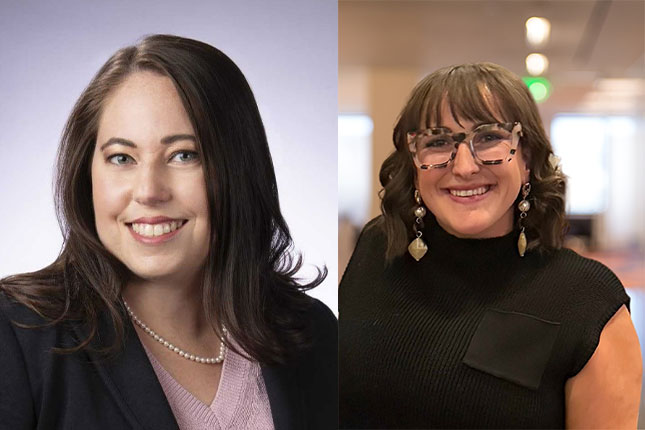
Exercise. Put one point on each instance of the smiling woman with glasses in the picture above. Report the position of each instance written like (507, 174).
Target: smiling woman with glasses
(460, 308)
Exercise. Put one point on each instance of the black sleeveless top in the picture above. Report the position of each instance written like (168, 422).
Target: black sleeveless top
(471, 336)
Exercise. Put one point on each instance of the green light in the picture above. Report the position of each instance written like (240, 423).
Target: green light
(539, 91)
(539, 87)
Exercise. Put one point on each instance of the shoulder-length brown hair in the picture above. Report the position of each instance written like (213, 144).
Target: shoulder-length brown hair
(248, 283)
(478, 92)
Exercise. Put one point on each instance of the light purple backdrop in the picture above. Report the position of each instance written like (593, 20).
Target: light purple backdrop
(286, 48)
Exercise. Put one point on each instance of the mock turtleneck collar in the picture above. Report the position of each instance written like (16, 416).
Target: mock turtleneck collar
(470, 254)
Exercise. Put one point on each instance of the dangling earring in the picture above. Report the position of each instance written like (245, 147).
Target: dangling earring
(524, 207)
(418, 247)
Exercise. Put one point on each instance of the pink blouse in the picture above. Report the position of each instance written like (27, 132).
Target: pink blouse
(241, 401)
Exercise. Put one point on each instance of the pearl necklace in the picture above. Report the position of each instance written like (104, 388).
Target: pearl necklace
(173, 348)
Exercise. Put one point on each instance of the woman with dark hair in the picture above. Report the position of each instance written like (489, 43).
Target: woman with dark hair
(173, 303)
(459, 307)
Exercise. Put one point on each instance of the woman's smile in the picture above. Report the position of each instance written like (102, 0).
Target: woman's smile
(469, 194)
(153, 234)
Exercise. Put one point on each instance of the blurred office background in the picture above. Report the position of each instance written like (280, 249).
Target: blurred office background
(589, 78)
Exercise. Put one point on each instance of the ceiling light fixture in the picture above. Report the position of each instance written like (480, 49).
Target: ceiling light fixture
(537, 31)
(536, 64)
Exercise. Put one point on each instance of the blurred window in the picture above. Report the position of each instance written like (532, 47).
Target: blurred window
(596, 154)
(354, 166)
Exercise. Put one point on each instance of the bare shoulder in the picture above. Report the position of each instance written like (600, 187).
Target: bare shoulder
(606, 392)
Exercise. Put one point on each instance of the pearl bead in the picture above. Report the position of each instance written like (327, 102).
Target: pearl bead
(420, 212)
(524, 205)
(170, 346)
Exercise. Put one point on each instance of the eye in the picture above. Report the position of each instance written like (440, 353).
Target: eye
(437, 142)
(119, 159)
(185, 156)
(490, 137)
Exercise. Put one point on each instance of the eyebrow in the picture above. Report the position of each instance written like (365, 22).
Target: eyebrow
(167, 140)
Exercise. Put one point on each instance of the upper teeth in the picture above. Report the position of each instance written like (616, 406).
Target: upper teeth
(151, 230)
(466, 193)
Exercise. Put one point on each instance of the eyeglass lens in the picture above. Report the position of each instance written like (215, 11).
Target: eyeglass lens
(436, 146)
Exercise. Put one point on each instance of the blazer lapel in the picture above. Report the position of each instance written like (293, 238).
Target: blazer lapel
(284, 397)
(131, 380)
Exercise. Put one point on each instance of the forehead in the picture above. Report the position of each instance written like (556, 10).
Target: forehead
(144, 106)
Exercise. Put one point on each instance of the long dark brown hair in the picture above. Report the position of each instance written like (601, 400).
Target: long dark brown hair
(249, 280)
(480, 93)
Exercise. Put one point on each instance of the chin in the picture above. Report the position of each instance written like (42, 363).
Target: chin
(472, 229)
(472, 232)
(148, 275)
(153, 271)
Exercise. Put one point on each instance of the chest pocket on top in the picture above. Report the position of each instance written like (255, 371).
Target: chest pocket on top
(512, 346)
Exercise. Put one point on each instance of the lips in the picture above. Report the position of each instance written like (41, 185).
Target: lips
(150, 230)
(154, 240)
(154, 220)
(469, 193)
(155, 230)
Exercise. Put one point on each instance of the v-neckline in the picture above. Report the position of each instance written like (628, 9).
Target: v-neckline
(228, 388)
(175, 382)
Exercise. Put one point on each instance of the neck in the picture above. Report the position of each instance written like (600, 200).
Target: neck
(486, 255)
(172, 309)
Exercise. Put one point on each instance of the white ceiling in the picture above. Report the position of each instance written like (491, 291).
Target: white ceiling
(590, 40)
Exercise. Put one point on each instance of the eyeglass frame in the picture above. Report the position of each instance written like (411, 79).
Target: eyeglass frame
(506, 125)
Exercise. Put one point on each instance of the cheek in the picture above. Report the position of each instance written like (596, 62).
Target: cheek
(523, 167)
(109, 196)
(198, 202)
(202, 207)
(427, 183)
(516, 177)
(192, 193)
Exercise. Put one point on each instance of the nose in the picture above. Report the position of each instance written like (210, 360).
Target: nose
(464, 164)
(150, 186)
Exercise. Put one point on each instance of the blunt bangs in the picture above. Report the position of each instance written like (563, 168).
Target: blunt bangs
(472, 94)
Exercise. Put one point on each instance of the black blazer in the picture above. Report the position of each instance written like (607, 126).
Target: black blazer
(42, 390)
